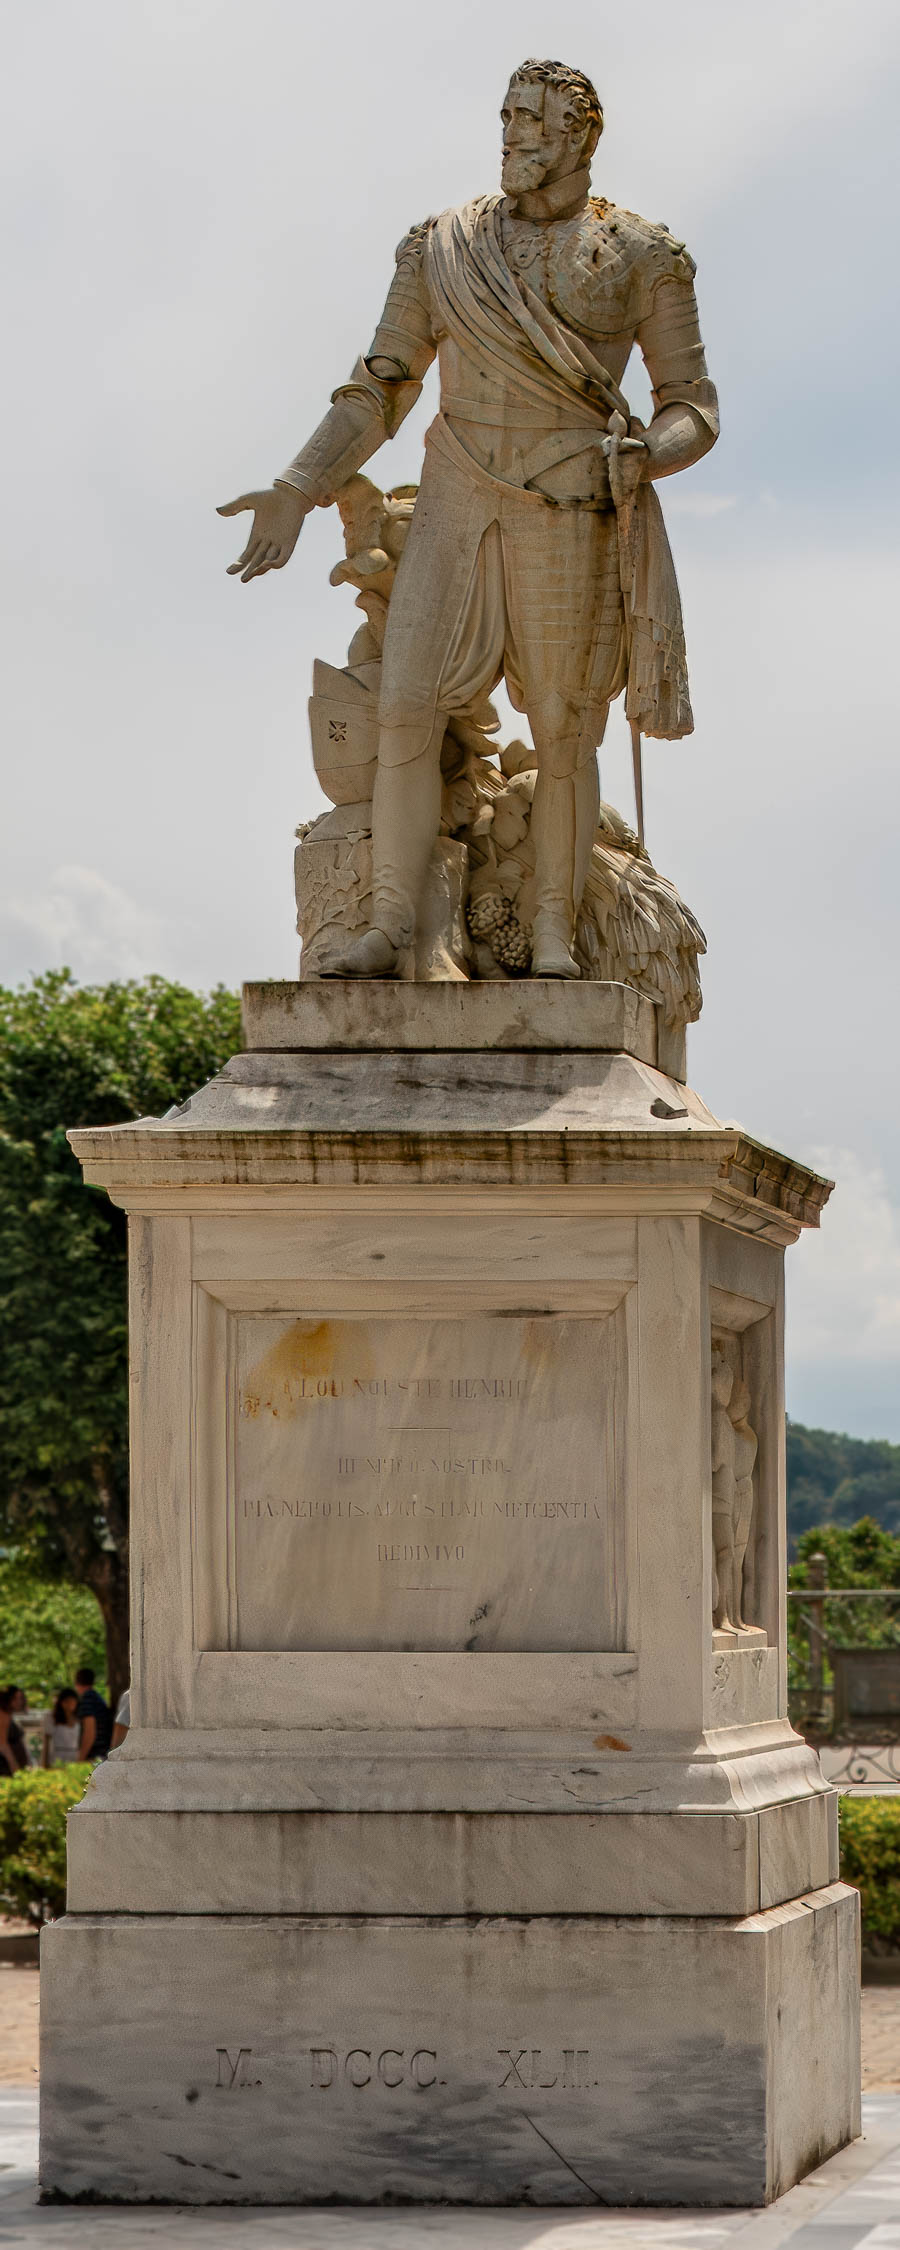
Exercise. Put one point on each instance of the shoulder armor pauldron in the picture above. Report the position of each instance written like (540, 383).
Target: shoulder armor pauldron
(647, 242)
(414, 242)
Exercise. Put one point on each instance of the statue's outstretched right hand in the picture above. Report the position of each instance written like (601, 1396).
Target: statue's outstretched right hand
(278, 517)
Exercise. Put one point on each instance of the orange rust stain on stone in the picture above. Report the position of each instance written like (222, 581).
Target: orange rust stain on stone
(308, 1352)
(610, 1742)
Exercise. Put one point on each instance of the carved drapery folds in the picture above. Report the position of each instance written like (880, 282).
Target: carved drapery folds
(632, 927)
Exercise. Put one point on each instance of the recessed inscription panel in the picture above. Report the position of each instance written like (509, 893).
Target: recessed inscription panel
(425, 1484)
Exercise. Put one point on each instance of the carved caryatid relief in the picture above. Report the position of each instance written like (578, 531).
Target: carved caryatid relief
(734, 1450)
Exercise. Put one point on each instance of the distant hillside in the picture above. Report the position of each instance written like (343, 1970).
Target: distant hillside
(835, 1479)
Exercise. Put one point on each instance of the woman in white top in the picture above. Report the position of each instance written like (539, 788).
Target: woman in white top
(62, 1730)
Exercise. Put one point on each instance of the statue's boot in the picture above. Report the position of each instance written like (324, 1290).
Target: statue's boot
(551, 957)
(371, 955)
(406, 813)
(563, 825)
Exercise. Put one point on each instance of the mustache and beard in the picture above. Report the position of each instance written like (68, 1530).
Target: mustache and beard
(522, 170)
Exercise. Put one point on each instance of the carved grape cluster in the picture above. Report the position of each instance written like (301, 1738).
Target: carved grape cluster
(494, 922)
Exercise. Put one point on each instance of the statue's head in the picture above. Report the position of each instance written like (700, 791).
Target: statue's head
(552, 121)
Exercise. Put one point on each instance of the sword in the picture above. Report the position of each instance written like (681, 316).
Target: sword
(637, 769)
(617, 429)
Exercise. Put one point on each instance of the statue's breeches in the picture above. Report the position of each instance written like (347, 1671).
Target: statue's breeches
(495, 580)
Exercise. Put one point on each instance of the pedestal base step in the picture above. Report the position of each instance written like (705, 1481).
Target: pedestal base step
(289, 1862)
(551, 2060)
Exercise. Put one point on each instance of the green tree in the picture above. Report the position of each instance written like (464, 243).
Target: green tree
(47, 1628)
(863, 1555)
(836, 1479)
(33, 1811)
(870, 1857)
(71, 1056)
(859, 1554)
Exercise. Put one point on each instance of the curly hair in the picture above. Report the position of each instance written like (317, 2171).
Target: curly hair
(584, 99)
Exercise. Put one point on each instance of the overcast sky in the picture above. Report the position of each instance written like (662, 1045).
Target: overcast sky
(202, 201)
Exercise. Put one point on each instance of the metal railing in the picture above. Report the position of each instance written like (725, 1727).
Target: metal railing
(844, 1673)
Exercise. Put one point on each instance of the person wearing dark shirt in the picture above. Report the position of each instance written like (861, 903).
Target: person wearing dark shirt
(16, 1747)
(95, 1716)
(8, 1764)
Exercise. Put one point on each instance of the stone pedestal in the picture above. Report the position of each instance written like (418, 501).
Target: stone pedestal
(452, 1854)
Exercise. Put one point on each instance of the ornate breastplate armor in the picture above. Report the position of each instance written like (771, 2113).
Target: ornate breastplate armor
(597, 271)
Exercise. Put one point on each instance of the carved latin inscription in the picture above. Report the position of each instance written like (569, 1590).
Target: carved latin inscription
(523, 2070)
(530, 2069)
(364, 2066)
(234, 2070)
(402, 1484)
(519, 2069)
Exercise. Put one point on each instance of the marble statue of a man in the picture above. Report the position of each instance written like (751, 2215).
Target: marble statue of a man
(537, 550)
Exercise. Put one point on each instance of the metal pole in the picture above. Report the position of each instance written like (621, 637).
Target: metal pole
(637, 766)
(817, 1575)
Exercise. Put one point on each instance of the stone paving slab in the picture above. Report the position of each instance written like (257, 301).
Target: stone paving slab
(851, 2203)
(19, 2024)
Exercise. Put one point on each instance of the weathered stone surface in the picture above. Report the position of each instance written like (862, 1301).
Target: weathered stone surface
(543, 1014)
(350, 1256)
(362, 1733)
(339, 1113)
(449, 1863)
(281, 2059)
(396, 1483)
(333, 884)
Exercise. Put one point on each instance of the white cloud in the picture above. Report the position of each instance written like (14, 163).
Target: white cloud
(844, 1281)
(80, 920)
(203, 202)
(702, 504)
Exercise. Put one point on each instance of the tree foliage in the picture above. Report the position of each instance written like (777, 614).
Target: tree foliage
(34, 1808)
(833, 1479)
(47, 1629)
(860, 1554)
(870, 1858)
(71, 1056)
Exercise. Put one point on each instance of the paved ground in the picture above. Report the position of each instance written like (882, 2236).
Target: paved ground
(18, 2027)
(881, 2036)
(852, 2203)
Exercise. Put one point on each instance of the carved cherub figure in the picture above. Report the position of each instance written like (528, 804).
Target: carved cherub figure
(375, 526)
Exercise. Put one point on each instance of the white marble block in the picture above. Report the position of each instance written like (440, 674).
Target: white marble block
(459, 1702)
(273, 2059)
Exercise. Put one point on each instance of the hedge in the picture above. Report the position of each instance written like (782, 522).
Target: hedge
(33, 1809)
(34, 1805)
(870, 1858)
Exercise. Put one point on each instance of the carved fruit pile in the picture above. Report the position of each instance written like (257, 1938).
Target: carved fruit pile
(495, 923)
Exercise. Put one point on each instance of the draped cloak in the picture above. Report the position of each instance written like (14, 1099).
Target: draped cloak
(499, 322)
